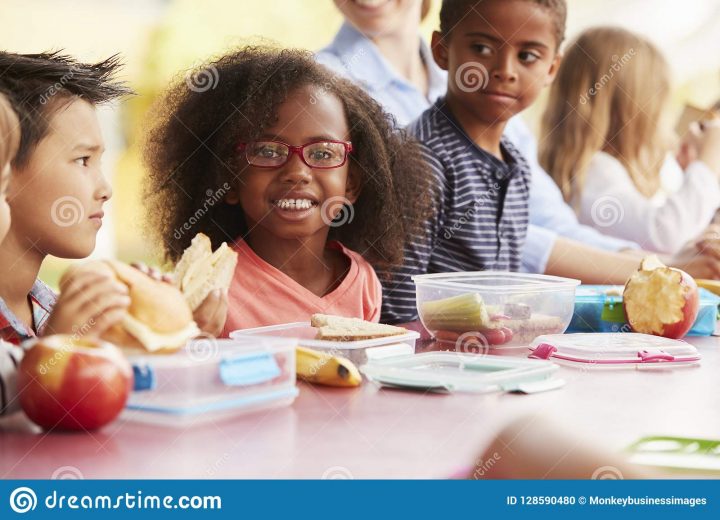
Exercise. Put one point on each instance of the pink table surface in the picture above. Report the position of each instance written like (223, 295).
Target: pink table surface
(369, 432)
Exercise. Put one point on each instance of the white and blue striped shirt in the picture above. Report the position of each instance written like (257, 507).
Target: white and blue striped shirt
(482, 215)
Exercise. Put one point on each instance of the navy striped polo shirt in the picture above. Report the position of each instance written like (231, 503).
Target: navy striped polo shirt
(483, 211)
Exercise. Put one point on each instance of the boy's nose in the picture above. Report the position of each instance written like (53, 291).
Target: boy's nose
(104, 189)
(505, 69)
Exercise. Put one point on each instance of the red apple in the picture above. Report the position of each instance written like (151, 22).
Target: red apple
(73, 384)
(661, 300)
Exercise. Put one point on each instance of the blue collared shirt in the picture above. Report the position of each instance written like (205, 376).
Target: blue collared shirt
(355, 56)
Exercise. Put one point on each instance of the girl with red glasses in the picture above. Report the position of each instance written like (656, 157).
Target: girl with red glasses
(300, 170)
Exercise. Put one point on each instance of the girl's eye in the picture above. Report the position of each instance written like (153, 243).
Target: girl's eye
(82, 161)
(325, 155)
(266, 152)
(481, 49)
(319, 155)
(528, 57)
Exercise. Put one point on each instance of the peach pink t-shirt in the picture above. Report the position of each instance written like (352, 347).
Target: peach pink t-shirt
(262, 295)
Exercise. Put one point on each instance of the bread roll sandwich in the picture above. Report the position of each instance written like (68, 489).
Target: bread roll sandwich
(200, 270)
(338, 328)
(158, 320)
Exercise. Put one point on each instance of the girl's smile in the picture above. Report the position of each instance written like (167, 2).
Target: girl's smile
(295, 206)
(286, 201)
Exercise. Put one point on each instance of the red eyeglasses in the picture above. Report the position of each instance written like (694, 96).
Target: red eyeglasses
(323, 155)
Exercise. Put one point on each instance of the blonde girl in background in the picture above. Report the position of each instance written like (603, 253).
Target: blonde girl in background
(604, 140)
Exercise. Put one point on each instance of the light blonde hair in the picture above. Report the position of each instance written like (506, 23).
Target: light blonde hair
(609, 95)
(9, 132)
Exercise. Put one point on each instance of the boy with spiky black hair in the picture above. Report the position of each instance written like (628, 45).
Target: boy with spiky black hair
(56, 194)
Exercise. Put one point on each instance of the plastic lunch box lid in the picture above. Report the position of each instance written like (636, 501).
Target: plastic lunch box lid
(226, 403)
(212, 351)
(475, 281)
(613, 348)
(275, 331)
(455, 371)
(598, 294)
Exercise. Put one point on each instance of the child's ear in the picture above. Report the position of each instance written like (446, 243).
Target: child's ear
(439, 50)
(554, 66)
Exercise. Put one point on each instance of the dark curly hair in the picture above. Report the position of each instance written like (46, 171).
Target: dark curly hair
(192, 157)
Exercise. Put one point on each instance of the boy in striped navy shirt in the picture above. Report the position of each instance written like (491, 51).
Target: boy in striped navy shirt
(499, 55)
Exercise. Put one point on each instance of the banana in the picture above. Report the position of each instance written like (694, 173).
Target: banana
(325, 369)
(711, 285)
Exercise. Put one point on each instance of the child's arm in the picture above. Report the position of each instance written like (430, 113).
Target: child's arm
(590, 265)
(10, 356)
(595, 266)
(90, 302)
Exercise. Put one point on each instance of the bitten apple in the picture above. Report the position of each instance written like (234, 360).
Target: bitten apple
(73, 384)
(661, 300)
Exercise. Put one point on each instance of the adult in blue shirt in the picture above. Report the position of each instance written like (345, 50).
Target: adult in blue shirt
(379, 47)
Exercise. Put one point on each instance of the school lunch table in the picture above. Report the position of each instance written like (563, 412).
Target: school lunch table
(368, 432)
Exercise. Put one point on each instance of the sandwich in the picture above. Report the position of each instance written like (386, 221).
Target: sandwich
(200, 270)
(337, 328)
(158, 320)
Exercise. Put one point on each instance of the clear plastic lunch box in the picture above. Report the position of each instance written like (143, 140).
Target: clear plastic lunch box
(460, 372)
(599, 308)
(212, 378)
(359, 352)
(615, 350)
(498, 309)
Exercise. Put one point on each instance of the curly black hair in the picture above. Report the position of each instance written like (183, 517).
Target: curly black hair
(191, 152)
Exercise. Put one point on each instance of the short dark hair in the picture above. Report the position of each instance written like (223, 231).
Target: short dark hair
(39, 84)
(453, 11)
(191, 152)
